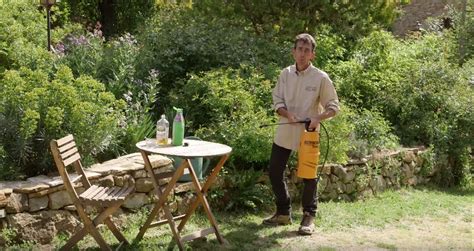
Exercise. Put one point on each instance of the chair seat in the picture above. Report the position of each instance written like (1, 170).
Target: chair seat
(104, 196)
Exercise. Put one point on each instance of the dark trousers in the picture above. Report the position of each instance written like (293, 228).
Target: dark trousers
(278, 160)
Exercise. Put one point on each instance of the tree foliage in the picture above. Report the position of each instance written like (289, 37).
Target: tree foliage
(289, 17)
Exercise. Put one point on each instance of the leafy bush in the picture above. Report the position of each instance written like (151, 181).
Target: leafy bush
(117, 67)
(177, 42)
(35, 108)
(81, 52)
(419, 88)
(366, 79)
(242, 191)
(435, 103)
(372, 132)
(329, 47)
(228, 105)
(339, 129)
(23, 39)
(113, 63)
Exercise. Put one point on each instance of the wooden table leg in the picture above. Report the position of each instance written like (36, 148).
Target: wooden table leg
(201, 192)
(162, 198)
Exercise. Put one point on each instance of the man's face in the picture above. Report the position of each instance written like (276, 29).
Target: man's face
(303, 53)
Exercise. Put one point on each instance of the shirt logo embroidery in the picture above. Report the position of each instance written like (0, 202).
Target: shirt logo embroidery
(310, 88)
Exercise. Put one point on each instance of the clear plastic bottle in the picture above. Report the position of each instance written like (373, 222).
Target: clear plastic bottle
(162, 131)
(178, 127)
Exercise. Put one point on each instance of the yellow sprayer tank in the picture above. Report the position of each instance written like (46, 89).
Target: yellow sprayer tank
(308, 155)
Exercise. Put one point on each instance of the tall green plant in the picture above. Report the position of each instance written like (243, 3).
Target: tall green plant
(35, 108)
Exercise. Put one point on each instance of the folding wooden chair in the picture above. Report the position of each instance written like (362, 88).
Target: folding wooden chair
(106, 199)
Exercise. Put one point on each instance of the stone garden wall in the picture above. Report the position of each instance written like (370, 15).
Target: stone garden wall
(365, 178)
(40, 208)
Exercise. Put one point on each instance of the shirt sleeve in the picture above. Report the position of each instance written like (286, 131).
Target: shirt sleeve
(278, 93)
(328, 95)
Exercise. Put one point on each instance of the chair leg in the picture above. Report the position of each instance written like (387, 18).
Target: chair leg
(79, 235)
(113, 228)
(90, 226)
(98, 238)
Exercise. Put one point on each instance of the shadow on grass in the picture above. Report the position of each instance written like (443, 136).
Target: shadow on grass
(457, 191)
(247, 236)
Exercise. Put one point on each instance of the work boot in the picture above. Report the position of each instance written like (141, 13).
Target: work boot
(307, 225)
(278, 219)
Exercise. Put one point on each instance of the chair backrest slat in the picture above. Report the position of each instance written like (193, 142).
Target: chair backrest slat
(71, 159)
(65, 140)
(65, 153)
(75, 179)
(68, 145)
(69, 152)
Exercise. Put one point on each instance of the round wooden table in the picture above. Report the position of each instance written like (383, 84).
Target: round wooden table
(189, 150)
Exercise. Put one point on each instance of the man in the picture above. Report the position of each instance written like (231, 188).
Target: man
(303, 91)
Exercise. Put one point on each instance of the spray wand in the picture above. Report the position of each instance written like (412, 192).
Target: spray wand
(306, 123)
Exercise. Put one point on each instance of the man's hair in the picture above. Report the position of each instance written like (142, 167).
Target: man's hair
(305, 38)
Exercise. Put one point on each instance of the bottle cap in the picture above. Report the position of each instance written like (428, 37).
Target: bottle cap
(178, 109)
(163, 116)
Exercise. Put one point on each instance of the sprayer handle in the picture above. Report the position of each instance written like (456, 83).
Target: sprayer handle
(307, 122)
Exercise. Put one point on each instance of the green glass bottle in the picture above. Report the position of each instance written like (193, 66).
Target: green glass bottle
(178, 127)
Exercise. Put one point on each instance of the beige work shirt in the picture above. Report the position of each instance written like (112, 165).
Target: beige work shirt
(306, 94)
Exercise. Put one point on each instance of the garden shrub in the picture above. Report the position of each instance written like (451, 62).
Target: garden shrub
(23, 40)
(113, 63)
(371, 132)
(329, 47)
(177, 42)
(36, 108)
(82, 52)
(339, 129)
(418, 87)
(117, 67)
(242, 190)
(367, 77)
(436, 104)
(228, 106)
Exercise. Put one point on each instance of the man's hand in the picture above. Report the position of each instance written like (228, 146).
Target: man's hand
(292, 118)
(314, 123)
(325, 115)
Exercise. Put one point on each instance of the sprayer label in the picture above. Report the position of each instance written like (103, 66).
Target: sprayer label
(311, 143)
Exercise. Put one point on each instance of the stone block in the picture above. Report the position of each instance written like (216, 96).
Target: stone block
(38, 203)
(143, 185)
(136, 201)
(43, 226)
(183, 187)
(59, 199)
(107, 181)
(17, 203)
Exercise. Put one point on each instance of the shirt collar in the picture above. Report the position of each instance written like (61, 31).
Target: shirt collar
(301, 73)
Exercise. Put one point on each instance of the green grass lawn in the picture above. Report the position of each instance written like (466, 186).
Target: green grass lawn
(244, 231)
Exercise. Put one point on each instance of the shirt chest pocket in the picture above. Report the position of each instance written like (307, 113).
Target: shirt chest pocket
(311, 88)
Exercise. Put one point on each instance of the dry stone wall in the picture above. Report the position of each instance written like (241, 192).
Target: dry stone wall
(415, 14)
(360, 179)
(39, 208)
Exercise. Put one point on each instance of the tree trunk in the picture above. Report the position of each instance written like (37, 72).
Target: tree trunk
(107, 11)
(462, 33)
